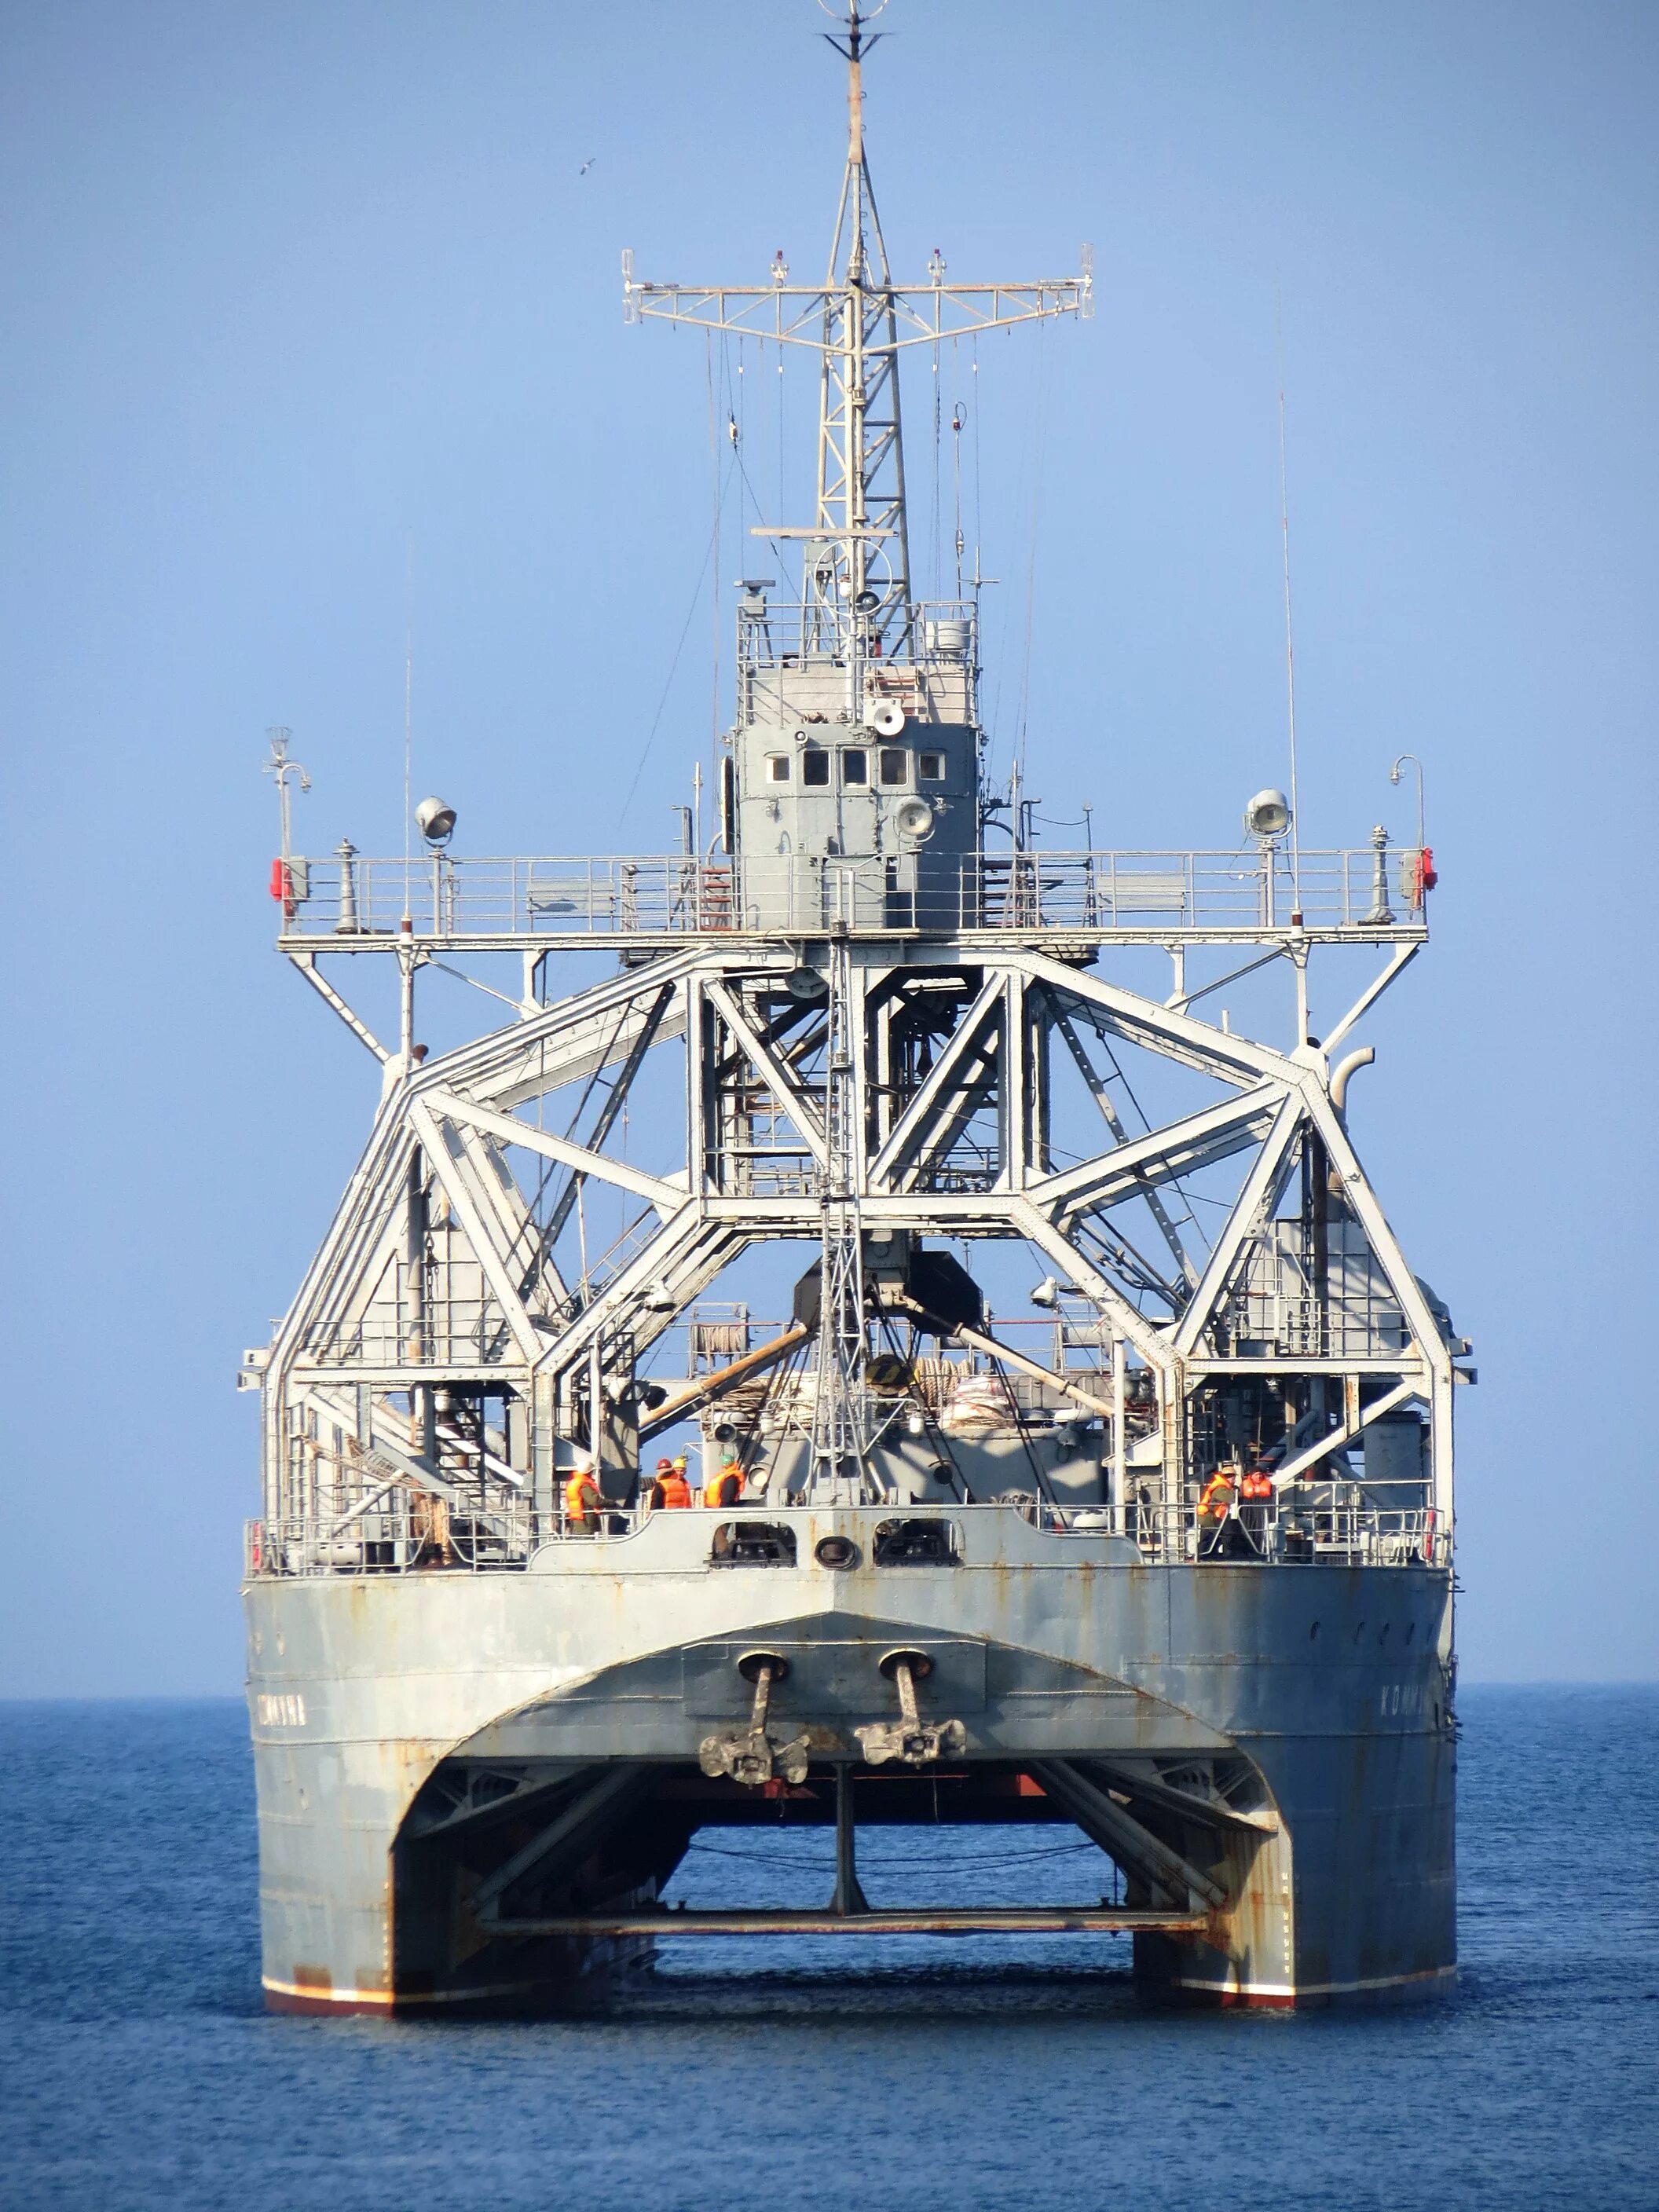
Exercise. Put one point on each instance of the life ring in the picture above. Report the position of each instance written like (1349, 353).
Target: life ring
(256, 1548)
(1428, 1538)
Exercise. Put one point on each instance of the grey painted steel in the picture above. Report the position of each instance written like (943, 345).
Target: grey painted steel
(484, 1708)
(1332, 1682)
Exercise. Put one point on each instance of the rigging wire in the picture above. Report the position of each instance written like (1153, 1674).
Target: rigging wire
(779, 510)
(1177, 1184)
(714, 596)
(935, 1434)
(957, 420)
(409, 714)
(1029, 474)
(937, 562)
(673, 669)
(978, 531)
(1039, 441)
(1290, 649)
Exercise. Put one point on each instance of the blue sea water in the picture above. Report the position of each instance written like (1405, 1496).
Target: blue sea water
(139, 2068)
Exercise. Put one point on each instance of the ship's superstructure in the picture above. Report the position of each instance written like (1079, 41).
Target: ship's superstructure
(1162, 1546)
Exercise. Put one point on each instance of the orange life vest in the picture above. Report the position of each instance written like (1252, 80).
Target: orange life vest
(722, 1489)
(581, 1495)
(1216, 1497)
(676, 1490)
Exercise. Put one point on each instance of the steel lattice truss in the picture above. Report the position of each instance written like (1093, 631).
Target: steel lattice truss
(931, 1113)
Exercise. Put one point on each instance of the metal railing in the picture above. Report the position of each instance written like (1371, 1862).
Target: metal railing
(1291, 1529)
(888, 639)
(417, 1534)
(411, 1532)
(359, 902)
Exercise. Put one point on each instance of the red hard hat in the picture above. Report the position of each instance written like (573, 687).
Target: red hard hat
(665, 1466)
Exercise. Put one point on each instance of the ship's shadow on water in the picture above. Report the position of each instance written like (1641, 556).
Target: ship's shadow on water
(913, 2074)
(874, 1992)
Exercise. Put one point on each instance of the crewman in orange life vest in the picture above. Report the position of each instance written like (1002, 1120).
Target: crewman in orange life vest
(1216, 1499)
(671, 1487)
(1215, 1502)
(725, 1487)
(581, 1502)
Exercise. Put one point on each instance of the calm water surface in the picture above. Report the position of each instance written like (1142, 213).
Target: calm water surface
(139, 2069)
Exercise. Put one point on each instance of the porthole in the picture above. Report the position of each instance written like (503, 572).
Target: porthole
(777, 768)
(894, 767)
(855, 766)
(815, 766)
(930, 767)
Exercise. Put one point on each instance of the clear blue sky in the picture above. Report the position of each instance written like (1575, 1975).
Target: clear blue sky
(289, 284)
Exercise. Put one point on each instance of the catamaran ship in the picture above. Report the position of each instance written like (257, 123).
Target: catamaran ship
(1096, 1468)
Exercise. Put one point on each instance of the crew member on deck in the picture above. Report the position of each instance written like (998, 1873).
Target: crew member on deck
(1215, 1504)
(671, 1487)
(581, 1502)
(1256, 1493)
(724, 1487)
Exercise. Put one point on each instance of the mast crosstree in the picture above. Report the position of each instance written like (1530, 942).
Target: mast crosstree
(856, 558)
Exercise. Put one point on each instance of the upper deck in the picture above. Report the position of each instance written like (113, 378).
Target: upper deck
(349, 901)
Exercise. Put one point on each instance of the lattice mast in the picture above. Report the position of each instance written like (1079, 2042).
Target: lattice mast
(857, 607)
(860, 445)
(855, 579)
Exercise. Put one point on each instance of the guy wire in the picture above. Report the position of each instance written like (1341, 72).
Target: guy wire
(1290, 648)
(409, 714)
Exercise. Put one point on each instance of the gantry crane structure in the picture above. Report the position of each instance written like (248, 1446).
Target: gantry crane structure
(872, 1011)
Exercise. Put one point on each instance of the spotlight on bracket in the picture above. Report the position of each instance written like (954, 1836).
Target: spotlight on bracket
(1268, 815)
(661, 1299)
(1047, 1293)
(434, 821)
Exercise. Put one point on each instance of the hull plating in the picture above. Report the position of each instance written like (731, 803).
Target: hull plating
(1330, 1681)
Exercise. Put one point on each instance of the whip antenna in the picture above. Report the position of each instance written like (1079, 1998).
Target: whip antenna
(408, 720)
(1289, 643)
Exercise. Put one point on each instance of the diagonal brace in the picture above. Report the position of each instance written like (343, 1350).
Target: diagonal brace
(1117, 1832)
(566, 1841)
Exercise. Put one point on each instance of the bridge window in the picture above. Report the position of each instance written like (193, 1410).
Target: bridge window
(777, 768)
(895, 766)
(855, 765)
(930, 767)
(815, 765)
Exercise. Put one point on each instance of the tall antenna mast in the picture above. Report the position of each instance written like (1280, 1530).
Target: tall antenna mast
(865, 544)
(408, 719)
(1290, 643)
(856, 610)
(855, 570)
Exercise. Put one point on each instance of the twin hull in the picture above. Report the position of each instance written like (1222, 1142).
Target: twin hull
(1331, 1681)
